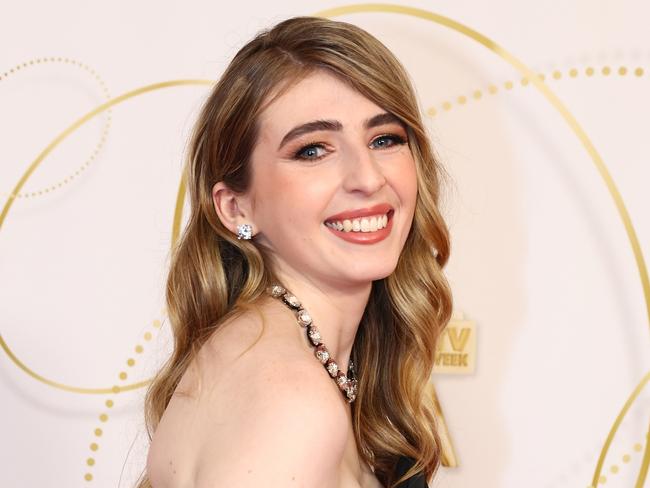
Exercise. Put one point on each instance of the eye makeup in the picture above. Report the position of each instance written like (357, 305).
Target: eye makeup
(395, 140)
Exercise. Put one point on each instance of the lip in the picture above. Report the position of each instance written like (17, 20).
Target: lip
(380, 209)
(365, 237)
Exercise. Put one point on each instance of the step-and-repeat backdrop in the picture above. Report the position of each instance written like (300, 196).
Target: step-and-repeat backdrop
(539, 111)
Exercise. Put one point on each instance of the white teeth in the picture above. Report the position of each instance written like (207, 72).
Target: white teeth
(364, 224)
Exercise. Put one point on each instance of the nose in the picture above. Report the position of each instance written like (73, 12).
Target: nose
(362, 172)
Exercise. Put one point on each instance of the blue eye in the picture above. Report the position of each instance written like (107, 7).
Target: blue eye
(309, 152)
(388, 140)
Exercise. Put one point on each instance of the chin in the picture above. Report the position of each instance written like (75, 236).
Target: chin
(371, 274)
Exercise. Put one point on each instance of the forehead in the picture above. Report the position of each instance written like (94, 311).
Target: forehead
(319, 95)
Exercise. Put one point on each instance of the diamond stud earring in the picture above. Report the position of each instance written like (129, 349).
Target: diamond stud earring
(244, 231)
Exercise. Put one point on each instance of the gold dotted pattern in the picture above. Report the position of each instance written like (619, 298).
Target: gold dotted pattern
(102, 140)
(589, 71)
(110, 403)
(615, 468)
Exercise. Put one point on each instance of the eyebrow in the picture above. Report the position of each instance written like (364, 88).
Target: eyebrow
(335, 125)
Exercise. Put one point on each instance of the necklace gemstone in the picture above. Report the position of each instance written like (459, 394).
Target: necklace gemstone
(304, 318)
(314, 335)
(322, 353)
(277, 291)
(291, 300)
(332, 368)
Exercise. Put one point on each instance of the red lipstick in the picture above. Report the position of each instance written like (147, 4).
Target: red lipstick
(379, 209)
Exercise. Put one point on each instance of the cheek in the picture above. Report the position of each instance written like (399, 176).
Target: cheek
(294, 199)
(404, 180)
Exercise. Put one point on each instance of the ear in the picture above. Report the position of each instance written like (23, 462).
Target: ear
(231, 207)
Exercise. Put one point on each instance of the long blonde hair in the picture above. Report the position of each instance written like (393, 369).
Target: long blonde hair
(214, 276)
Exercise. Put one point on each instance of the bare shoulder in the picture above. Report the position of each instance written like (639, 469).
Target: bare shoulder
(200, 400)
(254, 408)
(277, 418)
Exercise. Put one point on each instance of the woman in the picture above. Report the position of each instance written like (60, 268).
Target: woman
(304, 294)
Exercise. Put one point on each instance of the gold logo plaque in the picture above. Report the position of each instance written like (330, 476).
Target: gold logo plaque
(456, 350)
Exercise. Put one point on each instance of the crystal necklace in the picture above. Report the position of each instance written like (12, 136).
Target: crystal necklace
(346, 383)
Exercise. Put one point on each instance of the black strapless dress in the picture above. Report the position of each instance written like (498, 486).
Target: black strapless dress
(415, 481)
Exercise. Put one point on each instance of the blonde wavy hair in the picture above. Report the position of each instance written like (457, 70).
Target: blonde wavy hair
(214, 276)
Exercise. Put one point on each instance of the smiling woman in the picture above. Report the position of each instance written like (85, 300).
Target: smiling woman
(305, 297)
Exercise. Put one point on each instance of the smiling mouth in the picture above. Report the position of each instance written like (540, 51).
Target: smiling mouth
(362, 225)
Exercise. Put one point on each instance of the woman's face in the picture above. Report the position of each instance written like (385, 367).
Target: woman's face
(327, 158)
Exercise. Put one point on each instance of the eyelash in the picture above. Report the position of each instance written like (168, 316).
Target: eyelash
(397, 140)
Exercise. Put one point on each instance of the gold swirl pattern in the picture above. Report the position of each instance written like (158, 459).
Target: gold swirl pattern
(30, 170)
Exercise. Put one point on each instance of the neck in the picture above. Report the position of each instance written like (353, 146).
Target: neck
(336, 311)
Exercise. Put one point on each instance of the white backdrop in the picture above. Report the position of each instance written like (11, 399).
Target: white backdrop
(541, 266)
